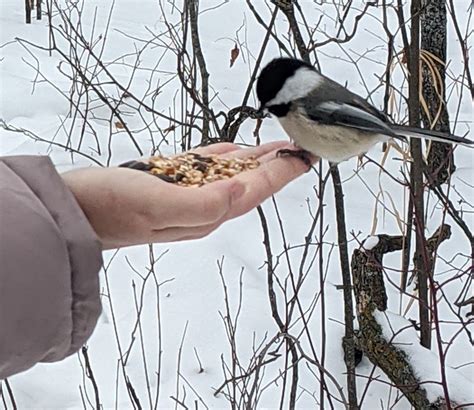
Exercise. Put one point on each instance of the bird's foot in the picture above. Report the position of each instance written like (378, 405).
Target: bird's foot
(302, 154)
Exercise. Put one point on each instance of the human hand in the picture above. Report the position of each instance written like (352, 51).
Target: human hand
(128, 207)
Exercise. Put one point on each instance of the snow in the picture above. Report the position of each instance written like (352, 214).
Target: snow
(185, 306)
(425, 363)
(371, 242)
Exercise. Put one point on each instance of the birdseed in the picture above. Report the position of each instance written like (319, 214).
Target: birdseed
(193, 170)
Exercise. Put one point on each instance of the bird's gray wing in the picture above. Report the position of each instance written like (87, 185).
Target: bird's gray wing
(332, 104)
(346, 115)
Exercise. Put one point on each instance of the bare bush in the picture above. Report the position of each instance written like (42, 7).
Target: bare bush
(175, 105)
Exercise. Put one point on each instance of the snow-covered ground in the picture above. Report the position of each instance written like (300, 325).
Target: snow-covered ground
(183, 317)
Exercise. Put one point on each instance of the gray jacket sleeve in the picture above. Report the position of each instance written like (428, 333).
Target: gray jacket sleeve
(49, 263)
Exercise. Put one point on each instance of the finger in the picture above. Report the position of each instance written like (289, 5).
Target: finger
(264, 181)
(288, 146)
(218, 149)
(257, 151)
(229, 150)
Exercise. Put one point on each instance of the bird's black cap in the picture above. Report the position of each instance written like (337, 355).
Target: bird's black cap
(274, 75)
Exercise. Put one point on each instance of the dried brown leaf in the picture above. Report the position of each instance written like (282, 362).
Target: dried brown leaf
(234, 54)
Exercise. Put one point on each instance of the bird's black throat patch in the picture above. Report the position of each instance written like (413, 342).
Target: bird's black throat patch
(279, 110)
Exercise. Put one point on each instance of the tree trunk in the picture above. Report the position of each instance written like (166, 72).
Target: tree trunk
(371, 298)
(38, 9)
(417, 185)
(435, 115)
(348, 342)
(27, 11)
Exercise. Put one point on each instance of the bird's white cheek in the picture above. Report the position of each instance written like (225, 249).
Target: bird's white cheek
(297, 86)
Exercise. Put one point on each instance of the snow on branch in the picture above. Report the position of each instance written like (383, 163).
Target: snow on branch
(391, 342)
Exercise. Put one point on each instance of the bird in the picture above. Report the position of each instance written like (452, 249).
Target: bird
(326, 119)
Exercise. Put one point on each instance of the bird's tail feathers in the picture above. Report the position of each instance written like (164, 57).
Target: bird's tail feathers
(431, 135)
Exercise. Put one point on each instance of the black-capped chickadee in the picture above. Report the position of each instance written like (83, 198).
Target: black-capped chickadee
(326, 119)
